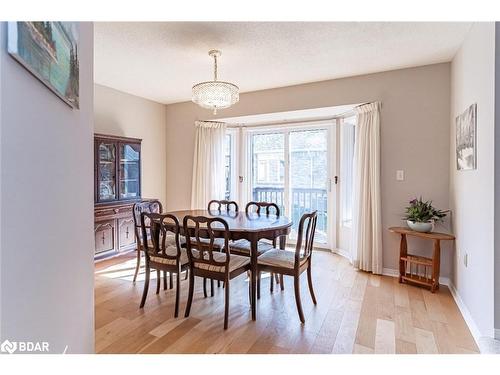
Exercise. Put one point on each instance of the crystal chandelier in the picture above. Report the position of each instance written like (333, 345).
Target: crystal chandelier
(215, 94)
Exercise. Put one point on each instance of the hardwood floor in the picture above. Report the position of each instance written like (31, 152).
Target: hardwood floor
(356, 313)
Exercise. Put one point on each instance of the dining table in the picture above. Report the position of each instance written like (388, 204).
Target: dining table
(249, 226)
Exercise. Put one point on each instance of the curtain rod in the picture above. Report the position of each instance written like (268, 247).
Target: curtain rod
(291, 122)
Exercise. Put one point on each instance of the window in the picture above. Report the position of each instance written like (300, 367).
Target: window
(347, 133)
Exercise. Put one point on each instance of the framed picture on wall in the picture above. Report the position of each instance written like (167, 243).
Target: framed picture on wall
(49, 51)
(466, 142)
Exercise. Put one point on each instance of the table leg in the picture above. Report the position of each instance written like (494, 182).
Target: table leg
(253, 282)
(403, 251)
(436, 265)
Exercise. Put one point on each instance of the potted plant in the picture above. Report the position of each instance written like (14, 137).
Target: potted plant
(421, 216)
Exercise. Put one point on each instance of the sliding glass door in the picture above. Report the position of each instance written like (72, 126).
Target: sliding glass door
(268, 168)
(308, 170)
(292, 168)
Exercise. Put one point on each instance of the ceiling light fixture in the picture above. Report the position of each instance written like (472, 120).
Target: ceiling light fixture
(215, 94)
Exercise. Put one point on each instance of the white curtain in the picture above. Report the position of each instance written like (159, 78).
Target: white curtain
(208, 163)
(367, 219)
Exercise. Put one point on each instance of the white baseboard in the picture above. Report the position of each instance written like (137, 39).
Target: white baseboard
(465, 313)
(342, 253)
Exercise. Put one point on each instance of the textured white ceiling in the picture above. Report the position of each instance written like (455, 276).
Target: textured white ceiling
(162, 60)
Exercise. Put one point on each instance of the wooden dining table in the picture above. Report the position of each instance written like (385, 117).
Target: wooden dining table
(249, 226)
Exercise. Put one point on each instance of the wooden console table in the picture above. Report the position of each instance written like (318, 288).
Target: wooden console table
(417, 269)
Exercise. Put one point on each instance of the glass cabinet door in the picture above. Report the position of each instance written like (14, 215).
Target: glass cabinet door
(106, 171)
(130, 172)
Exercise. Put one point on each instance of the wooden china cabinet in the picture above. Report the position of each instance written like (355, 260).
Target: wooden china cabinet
(117, 186)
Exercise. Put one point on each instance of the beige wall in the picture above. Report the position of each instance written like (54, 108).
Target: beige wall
(46, 195)
(414, 135)
(118, 113)
(472, 192)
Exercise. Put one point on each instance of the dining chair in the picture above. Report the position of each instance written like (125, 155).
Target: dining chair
(223, 204)
(153, 206)
(293, 263)
(160, 253)
(243, 247)
(209, 262)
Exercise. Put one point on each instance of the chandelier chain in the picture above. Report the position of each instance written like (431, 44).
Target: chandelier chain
(215, 67)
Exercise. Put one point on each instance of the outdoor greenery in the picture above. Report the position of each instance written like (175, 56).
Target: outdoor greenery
(423, 212)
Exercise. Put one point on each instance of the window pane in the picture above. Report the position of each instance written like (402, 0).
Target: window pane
(347, 132)
(107, 170)
(129, 171)
(308, 179)
(268, 168)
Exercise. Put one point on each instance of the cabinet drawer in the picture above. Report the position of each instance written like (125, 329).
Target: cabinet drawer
(126, 234)
(104, 232)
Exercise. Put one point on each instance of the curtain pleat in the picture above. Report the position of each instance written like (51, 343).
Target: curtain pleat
(208, 163)
(367, 216)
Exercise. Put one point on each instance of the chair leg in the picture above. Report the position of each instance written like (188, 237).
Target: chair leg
(177, 293)
(211, 287)
(171, 280)
(258, 285)
(226, 305)
(190, 294)
(165, 284)
(187, 274)
(205, 287)
(218, 283)
(271, 283)
(277, 277)
(146, 287)
(296, 284)
(249, 293)
(310, 283)
(282, 284)
(138, 265)
(158, 281)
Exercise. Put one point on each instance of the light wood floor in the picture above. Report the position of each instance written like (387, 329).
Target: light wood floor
(356, 313)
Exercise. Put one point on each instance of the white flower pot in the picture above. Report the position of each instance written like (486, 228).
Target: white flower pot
(420, 227)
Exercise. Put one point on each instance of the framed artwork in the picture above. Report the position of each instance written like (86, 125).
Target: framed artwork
(49, 51)
(466, 142)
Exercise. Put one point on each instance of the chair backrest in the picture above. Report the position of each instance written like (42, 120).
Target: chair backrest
(153, 206)
(201, 253)
(256, 207)
(154, 227)
(223, 204)
(305, 240)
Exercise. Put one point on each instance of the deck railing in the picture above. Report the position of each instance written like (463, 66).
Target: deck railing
(302, 200)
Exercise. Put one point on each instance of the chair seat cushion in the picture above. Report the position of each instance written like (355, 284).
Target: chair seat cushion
(171, 251)
(218, 242)
(235, 262)
(243, 246)
(169, 241)
(279, 258)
